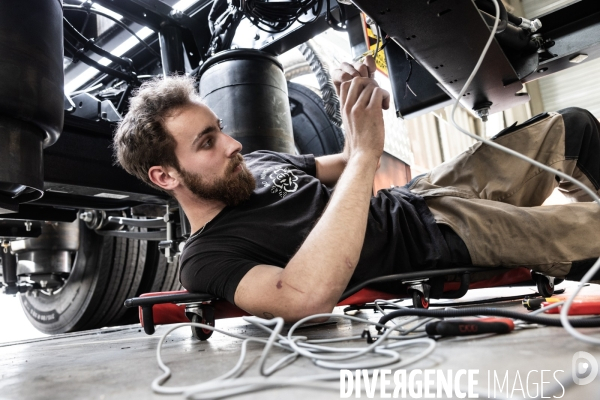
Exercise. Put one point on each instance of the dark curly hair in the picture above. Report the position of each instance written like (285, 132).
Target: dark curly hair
(141, 140)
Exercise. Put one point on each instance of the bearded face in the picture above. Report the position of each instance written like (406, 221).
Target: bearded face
(232, 189)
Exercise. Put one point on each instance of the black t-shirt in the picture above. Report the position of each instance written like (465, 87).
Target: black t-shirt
(272, 224)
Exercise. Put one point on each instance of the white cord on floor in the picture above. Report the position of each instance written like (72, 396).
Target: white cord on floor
(383, 354)
(587, 277)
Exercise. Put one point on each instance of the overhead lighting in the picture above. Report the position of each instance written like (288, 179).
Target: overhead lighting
(105, 10)
(183, 5)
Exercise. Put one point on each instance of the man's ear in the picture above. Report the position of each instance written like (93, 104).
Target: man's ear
(164, 177)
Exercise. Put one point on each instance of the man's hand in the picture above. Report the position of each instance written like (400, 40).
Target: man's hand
(363, 117)
(346, 72)
(358, 118)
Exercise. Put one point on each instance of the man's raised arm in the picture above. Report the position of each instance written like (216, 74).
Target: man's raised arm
(314, 279)
(330, 167)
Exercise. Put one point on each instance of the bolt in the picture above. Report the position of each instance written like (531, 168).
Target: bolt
(5, 246)
(86, 216)
(103, 115)
(177, 14)
(483, 113)
(43, 283)
(28, 226)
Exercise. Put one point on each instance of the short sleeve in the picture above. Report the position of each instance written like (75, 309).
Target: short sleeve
(304, 162)
(214, 272)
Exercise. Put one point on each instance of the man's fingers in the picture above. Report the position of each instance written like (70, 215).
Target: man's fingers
(377, 98)
(370, 63)
(366, 68)
(366, 94)
(344, 87)
(356, 87)
(343, 74)
(385, 103)
(362, 69)
(340, 77)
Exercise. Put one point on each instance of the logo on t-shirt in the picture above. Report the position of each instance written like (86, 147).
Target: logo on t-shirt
(283, 181)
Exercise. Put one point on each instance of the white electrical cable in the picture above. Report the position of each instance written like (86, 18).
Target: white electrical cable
(384, 352)
(544, 309)
(587, 277)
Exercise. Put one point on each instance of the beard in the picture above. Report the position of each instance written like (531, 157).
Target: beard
(232, 189)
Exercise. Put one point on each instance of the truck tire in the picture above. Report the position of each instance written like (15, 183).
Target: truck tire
(314, 132)
(106, 271)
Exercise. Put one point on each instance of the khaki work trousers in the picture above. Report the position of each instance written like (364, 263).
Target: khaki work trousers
(493, 201)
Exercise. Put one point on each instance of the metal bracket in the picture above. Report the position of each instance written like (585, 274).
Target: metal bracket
(142, 223)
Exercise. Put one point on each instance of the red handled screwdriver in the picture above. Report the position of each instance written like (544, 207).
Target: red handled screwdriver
(465, 327)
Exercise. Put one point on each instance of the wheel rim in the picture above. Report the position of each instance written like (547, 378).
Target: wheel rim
(204, 330)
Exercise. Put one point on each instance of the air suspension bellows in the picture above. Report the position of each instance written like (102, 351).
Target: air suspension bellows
(31, 95)
(248, 91)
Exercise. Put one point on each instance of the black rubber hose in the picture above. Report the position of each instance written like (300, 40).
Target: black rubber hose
(115, 20)
(488, 6)
(416, 275)
(476, 311)
(89, 45)
(513, 37)
(514, 19)
(217, 9)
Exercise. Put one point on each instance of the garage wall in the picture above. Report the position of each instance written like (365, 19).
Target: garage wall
(578, 86)
(534, 8)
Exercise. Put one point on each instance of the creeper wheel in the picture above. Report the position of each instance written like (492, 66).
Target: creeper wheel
(544, 284)
(204, 315)
(419, 300)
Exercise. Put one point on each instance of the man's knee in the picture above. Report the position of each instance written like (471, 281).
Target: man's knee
(581, 130)
(582, 141)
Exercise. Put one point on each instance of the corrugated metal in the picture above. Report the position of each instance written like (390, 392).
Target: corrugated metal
(425, 143)
(534, 8)
(453, 141)
(397, 141)
(575, 87)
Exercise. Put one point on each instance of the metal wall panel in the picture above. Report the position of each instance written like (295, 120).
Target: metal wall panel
(574, 87)
(534, 8)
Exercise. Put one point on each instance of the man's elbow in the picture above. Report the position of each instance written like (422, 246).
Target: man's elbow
(301, 309)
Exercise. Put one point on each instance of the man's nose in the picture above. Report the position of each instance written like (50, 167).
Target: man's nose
(233, 146)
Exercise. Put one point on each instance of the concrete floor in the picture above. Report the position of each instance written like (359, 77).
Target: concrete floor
(120, 363)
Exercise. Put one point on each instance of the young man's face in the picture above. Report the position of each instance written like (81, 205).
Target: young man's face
(211, 165)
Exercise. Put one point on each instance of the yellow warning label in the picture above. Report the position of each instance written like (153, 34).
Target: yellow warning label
(371, 39)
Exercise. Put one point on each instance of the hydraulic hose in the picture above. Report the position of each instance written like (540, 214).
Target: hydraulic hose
(477, 311)
(330, 99)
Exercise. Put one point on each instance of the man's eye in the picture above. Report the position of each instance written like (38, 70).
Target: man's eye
(208, 143)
